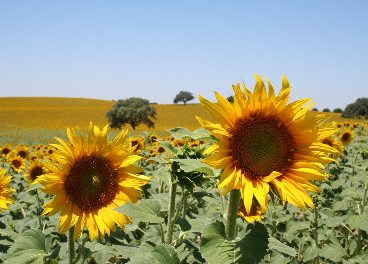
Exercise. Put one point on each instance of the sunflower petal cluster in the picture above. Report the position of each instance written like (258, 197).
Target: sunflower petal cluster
(91, 179)
(265, 143)
(5, 192)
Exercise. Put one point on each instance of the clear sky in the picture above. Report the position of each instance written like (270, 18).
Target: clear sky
(155, 49)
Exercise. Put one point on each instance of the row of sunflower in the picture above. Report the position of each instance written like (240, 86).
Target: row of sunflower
(150, 199)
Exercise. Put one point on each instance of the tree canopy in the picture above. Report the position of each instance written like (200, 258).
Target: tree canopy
(357, 109)
(337, 110)
(184, 97)
(133, 111)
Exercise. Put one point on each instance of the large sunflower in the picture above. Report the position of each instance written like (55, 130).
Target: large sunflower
(255, 213)
(5, 192)
(265, 142)
(92, 178)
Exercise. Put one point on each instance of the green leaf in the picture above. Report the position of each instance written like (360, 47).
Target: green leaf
(250, 247)
(353, 219)
(310, 251)
(189, 165)
(167, 146)
(350, 191)
(126, 251)
(145, 210)
(333, 251)
(162, 254)
(9, 233)
(34, 186)
(199, 134)
(334, 221)
(285, 250)
(28, 248)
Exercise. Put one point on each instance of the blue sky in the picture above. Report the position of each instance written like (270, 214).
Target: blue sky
(155, 49)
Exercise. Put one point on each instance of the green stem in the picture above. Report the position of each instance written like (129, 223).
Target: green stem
(361, 211)
(162, 234)
(316, 231)
(223, 202)
(232, 214)
(39, 210)
(170, 223)
(185, 208)
(183, 198)
(71, 248)
(80, 250)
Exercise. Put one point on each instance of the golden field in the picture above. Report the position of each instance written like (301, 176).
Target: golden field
(37, 120)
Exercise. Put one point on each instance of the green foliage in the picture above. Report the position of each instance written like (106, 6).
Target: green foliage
(133, 111)
(249, 247)
(337, 110)
(326, 110)
(314, 109)
(184, 97)
(357, 109)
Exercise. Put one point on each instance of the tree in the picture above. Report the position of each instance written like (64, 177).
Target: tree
(183, 97)
(315, 109)
(133, 111)
(337, 110)
(357, 109)
(230, 99)
(326, 110)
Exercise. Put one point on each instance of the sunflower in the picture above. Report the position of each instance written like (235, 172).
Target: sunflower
(92, 177)
(153, 139)
(265, 142)
(346, 124)
(339, 125)
(194, 144)
(33, 157)
(5, 150)
(17, 163)
(34, 171)
(137, 142)
(39, 147)
(255, 213)
(346, 136)
(180, 142)
(160, 150)
(22, 152)
(334, 143)
(5, 192)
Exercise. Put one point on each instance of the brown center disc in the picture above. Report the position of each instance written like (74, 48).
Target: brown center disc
(91, 183)
(261, 145)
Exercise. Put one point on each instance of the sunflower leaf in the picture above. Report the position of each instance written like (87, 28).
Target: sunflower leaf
(188, 165)
(250, 247)
(285, 250)
(146, 210)
(28, 248)
(162, 254)
(199, 134)
(167, 146)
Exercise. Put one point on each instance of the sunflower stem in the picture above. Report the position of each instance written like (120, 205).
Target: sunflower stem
(232, 214)
(71, 248)
(170, 222)
(39, 210)
(316, 231)
(361, 211)
(80, 250)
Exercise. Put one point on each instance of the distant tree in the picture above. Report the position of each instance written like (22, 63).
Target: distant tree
(133, 111)
(357, 109)
(337, 110)
(315, 109)
(183, 97)
(230, 99)
(326, 110)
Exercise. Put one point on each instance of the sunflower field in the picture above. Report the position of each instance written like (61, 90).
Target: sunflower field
(260, 180)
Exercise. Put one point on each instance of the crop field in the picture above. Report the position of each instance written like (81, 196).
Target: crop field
(37, 120)
(153, 196)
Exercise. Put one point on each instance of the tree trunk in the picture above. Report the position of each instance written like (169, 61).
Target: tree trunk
(133, 126)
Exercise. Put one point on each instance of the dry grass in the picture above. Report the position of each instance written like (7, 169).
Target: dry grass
(37, 120)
